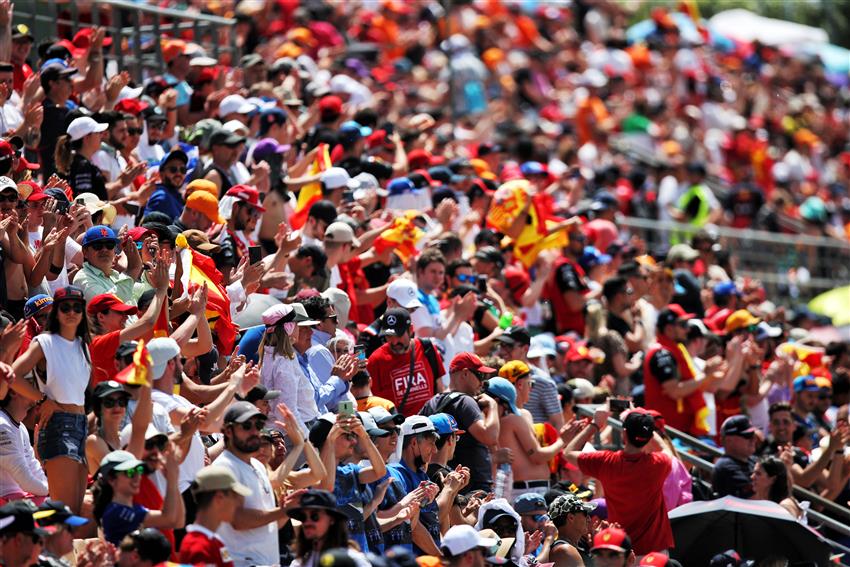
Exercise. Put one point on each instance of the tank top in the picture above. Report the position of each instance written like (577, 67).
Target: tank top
(226, 182)
(68, 369)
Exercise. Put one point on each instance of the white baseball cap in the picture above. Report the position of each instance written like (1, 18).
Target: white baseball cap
(337, 177)
(460, 539)
(234, 103)
(83, 126)
(162, 349)
(404, 292)
(416, 424)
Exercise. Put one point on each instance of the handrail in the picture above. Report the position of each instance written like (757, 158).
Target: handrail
(168, 12)
(704, 465)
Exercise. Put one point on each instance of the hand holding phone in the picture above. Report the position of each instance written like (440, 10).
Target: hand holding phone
(345, 408)
(255, 254)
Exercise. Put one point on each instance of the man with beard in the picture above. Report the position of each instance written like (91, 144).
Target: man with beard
(109, 159)
(166, 198)
(167, 371)
(235, 239)
(401, 370)
(252, 535)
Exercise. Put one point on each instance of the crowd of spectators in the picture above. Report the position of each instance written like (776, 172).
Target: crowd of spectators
(334, 302)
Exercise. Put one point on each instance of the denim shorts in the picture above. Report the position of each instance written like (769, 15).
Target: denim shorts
(64, 436)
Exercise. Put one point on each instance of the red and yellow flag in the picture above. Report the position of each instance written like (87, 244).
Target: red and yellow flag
(402, 235)
(136, 374)
(198, 270)
(311, 192)
(508, 201)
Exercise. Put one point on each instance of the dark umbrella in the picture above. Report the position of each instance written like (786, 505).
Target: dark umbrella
(754, 528)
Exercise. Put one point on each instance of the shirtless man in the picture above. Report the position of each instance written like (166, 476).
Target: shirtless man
(15, 257)
(516, 432)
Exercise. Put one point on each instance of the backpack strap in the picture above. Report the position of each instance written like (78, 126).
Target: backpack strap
(430, 353)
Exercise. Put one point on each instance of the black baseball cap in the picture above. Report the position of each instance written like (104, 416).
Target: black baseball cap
(515, 335)
(490, 254)
(395, 322)
(22, 520)
(323, 210)
(240, 412)
(127, 348)
(738, 425)
(260, 392)
(151, 545)
(639, 427)
(225, 138)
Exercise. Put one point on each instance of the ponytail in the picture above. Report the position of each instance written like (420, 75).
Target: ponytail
(62, 155)
(102, 494)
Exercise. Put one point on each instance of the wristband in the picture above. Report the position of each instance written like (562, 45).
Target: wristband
(55, 269)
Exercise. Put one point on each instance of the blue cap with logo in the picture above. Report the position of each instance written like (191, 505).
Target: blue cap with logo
(504, 391)
(36, 303)
(99, 233)
(445, 424)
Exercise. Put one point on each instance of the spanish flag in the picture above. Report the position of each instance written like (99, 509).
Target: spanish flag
(402, 235)
(197, 271)
(311, 192)
(508, 201)
(136, 374)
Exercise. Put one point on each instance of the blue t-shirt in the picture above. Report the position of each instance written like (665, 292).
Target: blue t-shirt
(429, 515)
(249, 345)
(165, 200)
(349, 499)
(400, 534)
(119, 520)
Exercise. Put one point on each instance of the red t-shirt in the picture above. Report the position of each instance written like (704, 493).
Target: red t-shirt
(204, 547)
(102, 351)
(390, 373)
(633, 486)
(150, 498)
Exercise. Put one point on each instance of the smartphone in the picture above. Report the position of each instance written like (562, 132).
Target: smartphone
(482, 284)
(618, 406)
(345, 408)
(360, 352)
(255, 254)
(348, 196)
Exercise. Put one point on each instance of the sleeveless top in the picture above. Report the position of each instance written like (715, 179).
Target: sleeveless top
(226, 181)
(68, 369)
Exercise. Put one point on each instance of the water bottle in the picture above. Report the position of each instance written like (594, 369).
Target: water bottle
(504, 482)
(506, 320)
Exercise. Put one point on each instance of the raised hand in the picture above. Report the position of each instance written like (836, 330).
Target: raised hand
(289, 424)
(345, 367)
(198, 305)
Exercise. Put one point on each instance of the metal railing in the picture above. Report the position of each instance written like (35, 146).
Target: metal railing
(767, 256)
(834, 517)
(135, 29)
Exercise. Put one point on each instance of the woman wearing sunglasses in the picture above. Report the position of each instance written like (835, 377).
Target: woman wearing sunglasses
(109, 404)
(119, 480)
(60, 358)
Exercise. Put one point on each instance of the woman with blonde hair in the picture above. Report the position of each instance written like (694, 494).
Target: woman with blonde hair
(279, 368)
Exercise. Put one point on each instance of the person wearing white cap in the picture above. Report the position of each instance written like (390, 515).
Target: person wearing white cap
(166, 371)
(462, 546)
(74, 152)
(419, 447)
(235, 107)
(335, 181)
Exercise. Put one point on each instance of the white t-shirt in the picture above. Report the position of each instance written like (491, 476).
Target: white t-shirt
(194, 461)
(257, 546)
(68, 370)
(19, 470)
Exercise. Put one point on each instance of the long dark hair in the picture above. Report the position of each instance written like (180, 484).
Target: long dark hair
(775, 469)
(337, 536)
(102, 494)
(53, 327)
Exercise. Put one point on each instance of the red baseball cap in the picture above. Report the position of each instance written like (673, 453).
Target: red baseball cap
(6, 149)
(578, 352)
(614, 539)
(24, 163)
(139, 232)
(419, 158)
(680, 311)
(132, 106)
(656, 559)
(330, 105)
(469, 361)
(36, 193)
(83, 39)
(106, 301)
(246, 194)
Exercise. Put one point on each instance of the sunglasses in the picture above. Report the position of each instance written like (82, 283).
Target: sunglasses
(313, 516)
(8, 198)
(254, 424)
(393, 430)
(76, 307)
(331, 317)
(157, 443)
(109, 245)
(465, 278)
(110, 403)
(175, 169)
(134, 472)
(135, 131)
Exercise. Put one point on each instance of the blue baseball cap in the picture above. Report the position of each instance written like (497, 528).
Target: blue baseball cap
(36, 303)
(400, 185)
(527, 503)
(502, 390)
(99, 233)
(725, 289)
(592, 257)
(351, 127)
(53, 512)
(445, 424)
(532, 168)
(806, 384)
